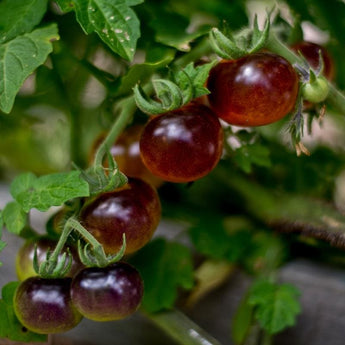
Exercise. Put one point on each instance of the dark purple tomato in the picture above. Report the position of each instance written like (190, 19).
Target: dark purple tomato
(44, 305)
(133, 210)
(126, 153)
(25, 257)
(255, 90)
(311, 52)
(110, 293)
(182, 145)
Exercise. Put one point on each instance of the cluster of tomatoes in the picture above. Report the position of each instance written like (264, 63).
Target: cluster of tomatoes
(51, 305)
(182, 145)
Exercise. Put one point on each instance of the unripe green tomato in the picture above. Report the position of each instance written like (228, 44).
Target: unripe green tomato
(316, 91)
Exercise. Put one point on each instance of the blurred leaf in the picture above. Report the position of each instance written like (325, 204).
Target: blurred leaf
(65, 5)
(266, 253)
(242, 321)
(210, 238)
(14, 217)
(114, 22)
(171, 28)
(19, 58)
(156, 58)
(252, 154)
(322, 14)
(165, 267)
(48, 190)
(275, 306)
(20, 16)
(10, 327)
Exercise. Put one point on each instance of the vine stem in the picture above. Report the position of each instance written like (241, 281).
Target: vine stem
(127, 108)
(70, 225)
(181, 328)
(335, 97)
(74, 224)
(60, 244)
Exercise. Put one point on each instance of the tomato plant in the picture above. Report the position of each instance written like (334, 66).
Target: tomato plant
(169, 153)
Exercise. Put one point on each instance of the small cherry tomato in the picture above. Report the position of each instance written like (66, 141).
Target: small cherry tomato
(45, 306)
(110, 293)
(255, 90)
(133, 210)
(182, 145)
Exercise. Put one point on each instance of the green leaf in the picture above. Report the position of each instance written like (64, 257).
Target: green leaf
(49, 190)
(20, 16)
(10, 327)
(19, 58)
(114, 21)
(276, 306)
(14, 217)
(252, 154)
(165, 267)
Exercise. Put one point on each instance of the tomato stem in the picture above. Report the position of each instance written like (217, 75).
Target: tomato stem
(127, 108)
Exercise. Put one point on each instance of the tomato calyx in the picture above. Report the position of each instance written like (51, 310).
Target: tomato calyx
(168, 93)
(229, 46)
(181, 88)
(96, 257)
(91, 253)
(104, 179)
(53, 266)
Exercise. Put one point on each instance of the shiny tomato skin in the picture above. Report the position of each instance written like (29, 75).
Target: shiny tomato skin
(182, 145)
(310, 51)
(255, 90)
(110, 293)
(134, 210)
(25, 257)
(45, 306)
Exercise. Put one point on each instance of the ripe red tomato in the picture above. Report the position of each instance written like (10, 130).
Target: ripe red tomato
(311, 52)
(126, 153)
(108, 293)
(182, 145)
(45, 306)
(134, 210)
(255, 90)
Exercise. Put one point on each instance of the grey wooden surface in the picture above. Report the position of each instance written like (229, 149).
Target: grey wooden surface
(321, 322)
